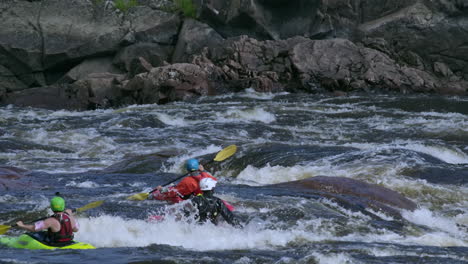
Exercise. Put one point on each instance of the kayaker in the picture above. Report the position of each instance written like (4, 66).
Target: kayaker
(210, 207)
(187, 187)
(60, 226)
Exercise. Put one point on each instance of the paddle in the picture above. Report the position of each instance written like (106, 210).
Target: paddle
(5, 228)
(222, 155)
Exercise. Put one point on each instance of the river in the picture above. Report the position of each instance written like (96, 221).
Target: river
(415, 145)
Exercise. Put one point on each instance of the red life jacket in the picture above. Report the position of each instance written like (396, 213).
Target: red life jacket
(66, 231)
(187, 188)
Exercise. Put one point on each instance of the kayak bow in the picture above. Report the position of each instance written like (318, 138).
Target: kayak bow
(27, 242)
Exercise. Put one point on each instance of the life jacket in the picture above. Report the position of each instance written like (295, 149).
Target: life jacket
(187, 188)
(208, 208)
(198, 177)
(66, 231)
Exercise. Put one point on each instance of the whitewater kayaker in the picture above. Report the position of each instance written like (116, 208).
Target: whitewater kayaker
(60, 226)
(209, 207)
(187, 187)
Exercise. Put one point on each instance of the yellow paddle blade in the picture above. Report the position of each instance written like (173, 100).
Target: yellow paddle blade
(138, 197)
(89, 206)
(4, 228)
(226, 153)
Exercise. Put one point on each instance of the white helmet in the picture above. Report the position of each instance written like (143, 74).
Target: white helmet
(207, 184)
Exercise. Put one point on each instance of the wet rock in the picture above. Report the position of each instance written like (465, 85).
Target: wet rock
(12, 178)
(141, 164)
(352, 193)
(50, 97)
(11, 145)
(458, 175)
(103, 90)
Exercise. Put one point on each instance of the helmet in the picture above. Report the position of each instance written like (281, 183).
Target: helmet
(207, 184)
(192, 165)
(57, 204)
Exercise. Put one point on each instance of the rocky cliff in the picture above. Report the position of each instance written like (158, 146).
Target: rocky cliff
(86, 54)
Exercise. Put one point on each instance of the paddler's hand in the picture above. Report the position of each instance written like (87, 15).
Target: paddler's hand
(163, 189)
(20, 224)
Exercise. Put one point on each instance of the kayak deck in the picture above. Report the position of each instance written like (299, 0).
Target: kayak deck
(27, 242)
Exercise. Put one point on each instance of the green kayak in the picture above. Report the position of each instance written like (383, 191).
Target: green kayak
(27, 242)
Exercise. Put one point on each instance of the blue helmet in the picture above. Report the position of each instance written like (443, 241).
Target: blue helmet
(192, 165)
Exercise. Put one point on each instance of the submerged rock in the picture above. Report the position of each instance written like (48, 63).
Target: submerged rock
(12, 178)
(351, 193)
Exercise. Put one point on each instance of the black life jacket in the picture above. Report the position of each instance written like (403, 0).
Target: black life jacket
(66, 231)
(208, 208)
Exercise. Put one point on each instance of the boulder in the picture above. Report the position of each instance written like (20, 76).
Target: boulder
(193, 37)
(174, 82)
(154, 26)
(9, 82)
(103, 90)
(12, 178)
(339, 64)
(55, 97)
(351, 193)
(90, 66)
(435, 30)
(154, 54)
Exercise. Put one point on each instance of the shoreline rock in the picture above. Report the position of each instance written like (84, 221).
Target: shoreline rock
(47, 48)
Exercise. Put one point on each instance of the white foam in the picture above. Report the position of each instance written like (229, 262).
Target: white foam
(85, 184)
(424, 216)
(115, 231)
(272, 174)
(333, 258)
(251, 93)
(451, 154)
(246, 115)
(111, 231)
(180, 160)
(172, 120)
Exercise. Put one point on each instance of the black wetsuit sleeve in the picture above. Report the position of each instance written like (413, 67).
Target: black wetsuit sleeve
(228, 215)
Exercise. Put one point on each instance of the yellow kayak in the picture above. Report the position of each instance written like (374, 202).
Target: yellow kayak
(28, 242)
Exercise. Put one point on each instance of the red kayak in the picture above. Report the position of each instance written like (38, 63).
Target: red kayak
(173, 198)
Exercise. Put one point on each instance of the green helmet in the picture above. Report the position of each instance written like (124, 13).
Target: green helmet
(57, 204)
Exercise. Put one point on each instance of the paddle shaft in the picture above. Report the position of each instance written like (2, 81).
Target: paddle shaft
(43, 218)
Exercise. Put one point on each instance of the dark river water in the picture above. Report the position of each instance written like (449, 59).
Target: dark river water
(415, 145)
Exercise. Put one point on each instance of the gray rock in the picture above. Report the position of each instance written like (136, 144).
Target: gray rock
(154, 26)
(50, 97)
(90, 66)
(9, 82)
(424, 28)
(174, 82)
(153, 53)
(193, 37)
(373, 196)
